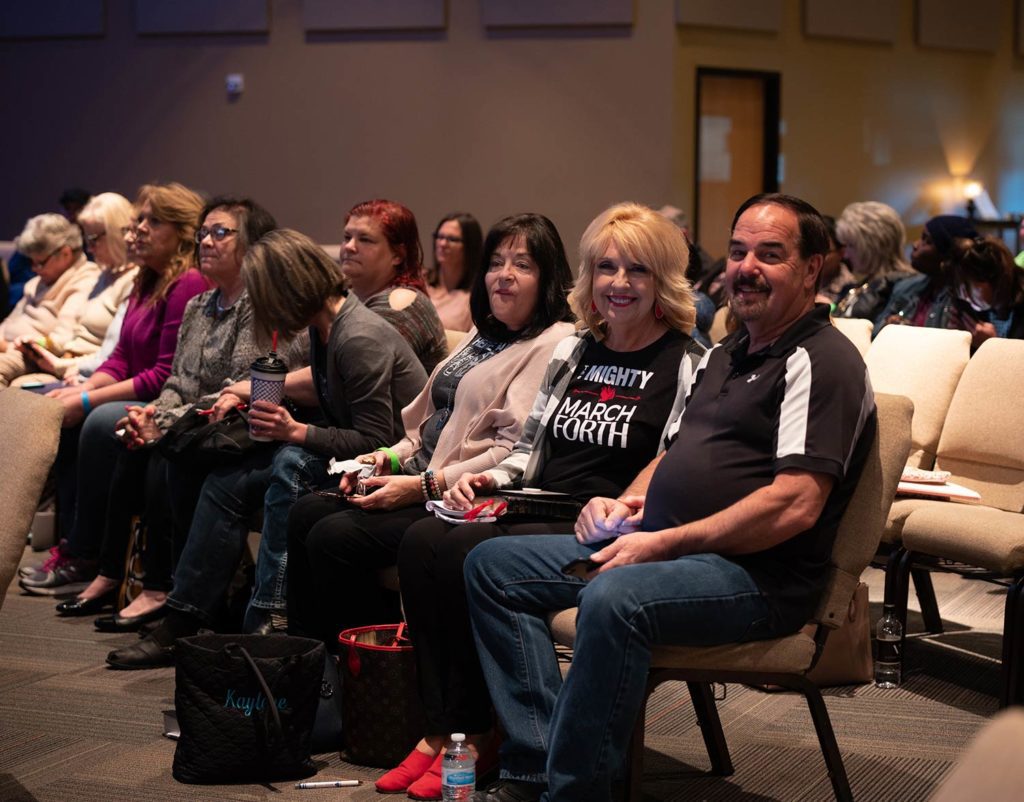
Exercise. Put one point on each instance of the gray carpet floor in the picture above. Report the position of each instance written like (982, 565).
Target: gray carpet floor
(70, 729)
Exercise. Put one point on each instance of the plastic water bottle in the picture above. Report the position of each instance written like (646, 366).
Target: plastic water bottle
(458, 770)
(888, 637)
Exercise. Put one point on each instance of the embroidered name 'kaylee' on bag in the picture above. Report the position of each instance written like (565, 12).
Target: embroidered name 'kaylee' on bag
(245, 705)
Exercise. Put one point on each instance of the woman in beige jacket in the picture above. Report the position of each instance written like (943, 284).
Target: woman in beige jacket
(53, 301)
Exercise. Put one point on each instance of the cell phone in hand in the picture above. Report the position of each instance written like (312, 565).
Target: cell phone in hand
(580, 567)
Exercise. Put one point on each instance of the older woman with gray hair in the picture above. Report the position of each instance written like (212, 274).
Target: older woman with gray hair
(53, 301)
(873, 238)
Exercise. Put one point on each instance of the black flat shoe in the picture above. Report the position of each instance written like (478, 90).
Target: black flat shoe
(77, 607)
(147, 653)
(120, 623)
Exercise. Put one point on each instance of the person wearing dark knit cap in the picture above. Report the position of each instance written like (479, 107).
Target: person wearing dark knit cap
(926, 300)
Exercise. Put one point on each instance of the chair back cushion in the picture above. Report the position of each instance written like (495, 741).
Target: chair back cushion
(982, 441)
(861, 527)
(925, 366)
(29, 433)
(857, 330)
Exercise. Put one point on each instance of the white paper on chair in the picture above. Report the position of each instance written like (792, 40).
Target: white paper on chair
(950, 491)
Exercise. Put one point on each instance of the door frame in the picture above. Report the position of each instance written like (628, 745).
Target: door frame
(772, 83)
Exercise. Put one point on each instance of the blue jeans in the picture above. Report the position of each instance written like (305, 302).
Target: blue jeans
(574, 736)
(220, 526)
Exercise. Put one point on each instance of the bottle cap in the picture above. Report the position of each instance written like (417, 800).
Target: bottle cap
(458, 737)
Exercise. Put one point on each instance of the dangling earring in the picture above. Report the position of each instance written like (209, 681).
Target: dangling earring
(659, 313)
(593, 307)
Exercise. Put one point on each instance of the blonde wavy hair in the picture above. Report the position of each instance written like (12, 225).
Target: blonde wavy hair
(645, 237)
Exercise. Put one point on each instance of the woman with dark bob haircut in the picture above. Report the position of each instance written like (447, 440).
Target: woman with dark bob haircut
(467, 418)
(458, 246)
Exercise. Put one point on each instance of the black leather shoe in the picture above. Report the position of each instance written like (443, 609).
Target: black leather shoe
(510, 791)
(121, 623)
(147, 653)
(76, 606)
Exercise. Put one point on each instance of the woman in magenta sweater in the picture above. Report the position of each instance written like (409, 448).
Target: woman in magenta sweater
(164, 248)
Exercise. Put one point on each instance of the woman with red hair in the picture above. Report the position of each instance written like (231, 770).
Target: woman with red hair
(382, 260)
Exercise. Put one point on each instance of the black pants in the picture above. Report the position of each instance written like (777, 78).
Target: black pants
(334, 553)
(139, 486)
(430, 560)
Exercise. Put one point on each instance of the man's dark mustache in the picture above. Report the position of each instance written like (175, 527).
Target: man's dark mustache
(749, 283)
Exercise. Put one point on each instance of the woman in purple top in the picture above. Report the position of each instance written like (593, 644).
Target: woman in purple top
(164, 248)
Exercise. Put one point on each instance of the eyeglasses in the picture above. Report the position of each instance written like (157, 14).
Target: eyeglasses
(217, 232)
(41, 264)
(448, 238)
(92, 239)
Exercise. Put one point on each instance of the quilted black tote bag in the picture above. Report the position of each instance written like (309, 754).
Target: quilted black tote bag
(380, 701)
(245, 707)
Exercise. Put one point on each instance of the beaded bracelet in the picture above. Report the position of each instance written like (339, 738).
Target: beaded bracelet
(423, 487)
(432, 485)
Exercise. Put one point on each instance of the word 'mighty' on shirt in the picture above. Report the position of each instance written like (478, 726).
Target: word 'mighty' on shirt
(616, 375)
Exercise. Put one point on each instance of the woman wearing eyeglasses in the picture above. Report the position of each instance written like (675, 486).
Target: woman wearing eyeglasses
(135, 371)
(102, 222)
(215, 348)
(458, 244)
(53, 301)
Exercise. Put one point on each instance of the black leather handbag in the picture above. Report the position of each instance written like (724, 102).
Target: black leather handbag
(195, 440)
(245, 706)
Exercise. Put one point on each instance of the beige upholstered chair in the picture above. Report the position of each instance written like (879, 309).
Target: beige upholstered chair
(982, 445)
(718, 329)
(29, 433)
(858, 330)
(924, 365)
(786, 661)
(992, 768)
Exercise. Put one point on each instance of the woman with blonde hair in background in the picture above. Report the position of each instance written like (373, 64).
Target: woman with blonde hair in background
(873, 237)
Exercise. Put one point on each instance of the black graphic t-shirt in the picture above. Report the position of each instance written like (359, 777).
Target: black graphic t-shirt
(609, 423)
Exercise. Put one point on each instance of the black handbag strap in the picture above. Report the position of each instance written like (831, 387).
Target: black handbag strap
(271, 701)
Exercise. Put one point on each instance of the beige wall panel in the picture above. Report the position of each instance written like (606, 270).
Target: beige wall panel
(954, 25)
(750, 15)
(866, 20)
(51, 18)
(370, 15)
(201, 16)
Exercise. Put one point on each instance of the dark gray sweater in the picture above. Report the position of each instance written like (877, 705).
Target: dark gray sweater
(364, 376)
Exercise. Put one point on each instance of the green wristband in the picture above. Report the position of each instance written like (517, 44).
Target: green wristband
(396, 463)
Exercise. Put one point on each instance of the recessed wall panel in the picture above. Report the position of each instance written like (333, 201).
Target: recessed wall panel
(552, 13)
(201, 16)
(749, 15)
(51, 18)
(949, 25)
(373, 15)
(865, 20)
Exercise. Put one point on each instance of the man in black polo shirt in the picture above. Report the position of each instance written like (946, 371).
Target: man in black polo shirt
(723, 538)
